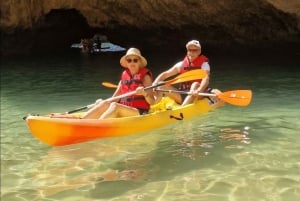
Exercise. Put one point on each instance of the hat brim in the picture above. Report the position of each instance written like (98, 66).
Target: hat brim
(123, 61)
(198, 47)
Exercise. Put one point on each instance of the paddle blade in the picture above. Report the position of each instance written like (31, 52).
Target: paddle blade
(184, 77)
(109, 85)
(188, 76)
(237, 97)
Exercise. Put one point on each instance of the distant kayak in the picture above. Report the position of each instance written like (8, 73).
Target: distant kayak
(105, 47)
(99, 43)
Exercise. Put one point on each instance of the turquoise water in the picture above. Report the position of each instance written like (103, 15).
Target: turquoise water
(233, 153)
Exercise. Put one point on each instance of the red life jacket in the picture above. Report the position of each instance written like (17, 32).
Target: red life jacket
(130, 83)
(187, 66)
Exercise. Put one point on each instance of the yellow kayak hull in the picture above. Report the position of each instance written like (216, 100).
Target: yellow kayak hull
(66, 131)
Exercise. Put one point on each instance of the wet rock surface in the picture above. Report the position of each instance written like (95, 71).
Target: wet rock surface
(30, 27)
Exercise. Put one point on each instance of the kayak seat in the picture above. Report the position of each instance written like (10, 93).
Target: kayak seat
(165, 103)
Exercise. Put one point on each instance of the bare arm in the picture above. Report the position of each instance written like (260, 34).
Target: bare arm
(174, 70)
(204, 83)
(117, 91)
(149, 94)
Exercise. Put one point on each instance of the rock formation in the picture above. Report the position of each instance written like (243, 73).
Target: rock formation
(36, 26)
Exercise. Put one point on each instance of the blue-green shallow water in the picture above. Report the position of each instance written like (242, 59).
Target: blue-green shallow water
(233, 153)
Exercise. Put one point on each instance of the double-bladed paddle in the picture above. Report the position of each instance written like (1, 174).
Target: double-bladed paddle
(184, 77)
(236, 97)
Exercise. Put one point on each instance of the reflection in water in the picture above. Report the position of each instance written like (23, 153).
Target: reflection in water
(198, 143)
(192, 144)
(236, 135)
(195, 143)
(81, 167)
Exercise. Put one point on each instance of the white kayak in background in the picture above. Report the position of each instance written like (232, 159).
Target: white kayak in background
(109, 47)
(99, 43)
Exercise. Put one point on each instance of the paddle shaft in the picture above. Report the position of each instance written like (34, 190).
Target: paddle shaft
(236, 97)
(117, 97)
(81, 108)
(186, 92)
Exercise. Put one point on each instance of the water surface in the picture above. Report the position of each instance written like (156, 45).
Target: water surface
(233, 153)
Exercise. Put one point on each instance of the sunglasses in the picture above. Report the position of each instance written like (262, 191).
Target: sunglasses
(192, 50)
(132, 60)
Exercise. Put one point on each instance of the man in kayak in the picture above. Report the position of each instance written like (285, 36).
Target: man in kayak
(193, 60)
(135, 77)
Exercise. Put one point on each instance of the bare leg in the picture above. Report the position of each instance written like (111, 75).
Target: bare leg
(176, 97)
(97, 110)
(119, 110)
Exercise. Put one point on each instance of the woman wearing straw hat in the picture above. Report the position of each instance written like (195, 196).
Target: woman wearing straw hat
(135, 77)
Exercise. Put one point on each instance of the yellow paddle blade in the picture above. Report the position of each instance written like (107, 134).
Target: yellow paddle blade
(188, 76)
(184, 77)
(237, 97)
(109, 85)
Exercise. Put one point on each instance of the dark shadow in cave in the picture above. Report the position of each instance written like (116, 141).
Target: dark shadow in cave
(58, 29)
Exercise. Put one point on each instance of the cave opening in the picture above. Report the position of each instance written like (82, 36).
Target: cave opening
(58, 29)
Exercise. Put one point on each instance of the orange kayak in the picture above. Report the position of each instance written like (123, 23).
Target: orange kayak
(66, 131)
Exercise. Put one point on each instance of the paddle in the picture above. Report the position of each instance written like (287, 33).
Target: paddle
(109, 85)
(184, 77)
(192, 76)
(236, 97)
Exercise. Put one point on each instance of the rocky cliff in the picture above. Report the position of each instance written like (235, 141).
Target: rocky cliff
(40, 25)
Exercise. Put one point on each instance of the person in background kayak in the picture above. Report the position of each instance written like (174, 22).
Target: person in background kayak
(135, 77)
(193, 60)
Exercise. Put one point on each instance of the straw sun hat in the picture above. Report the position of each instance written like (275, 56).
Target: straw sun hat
(135, 52)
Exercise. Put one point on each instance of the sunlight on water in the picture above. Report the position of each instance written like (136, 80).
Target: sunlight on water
(233, 153)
